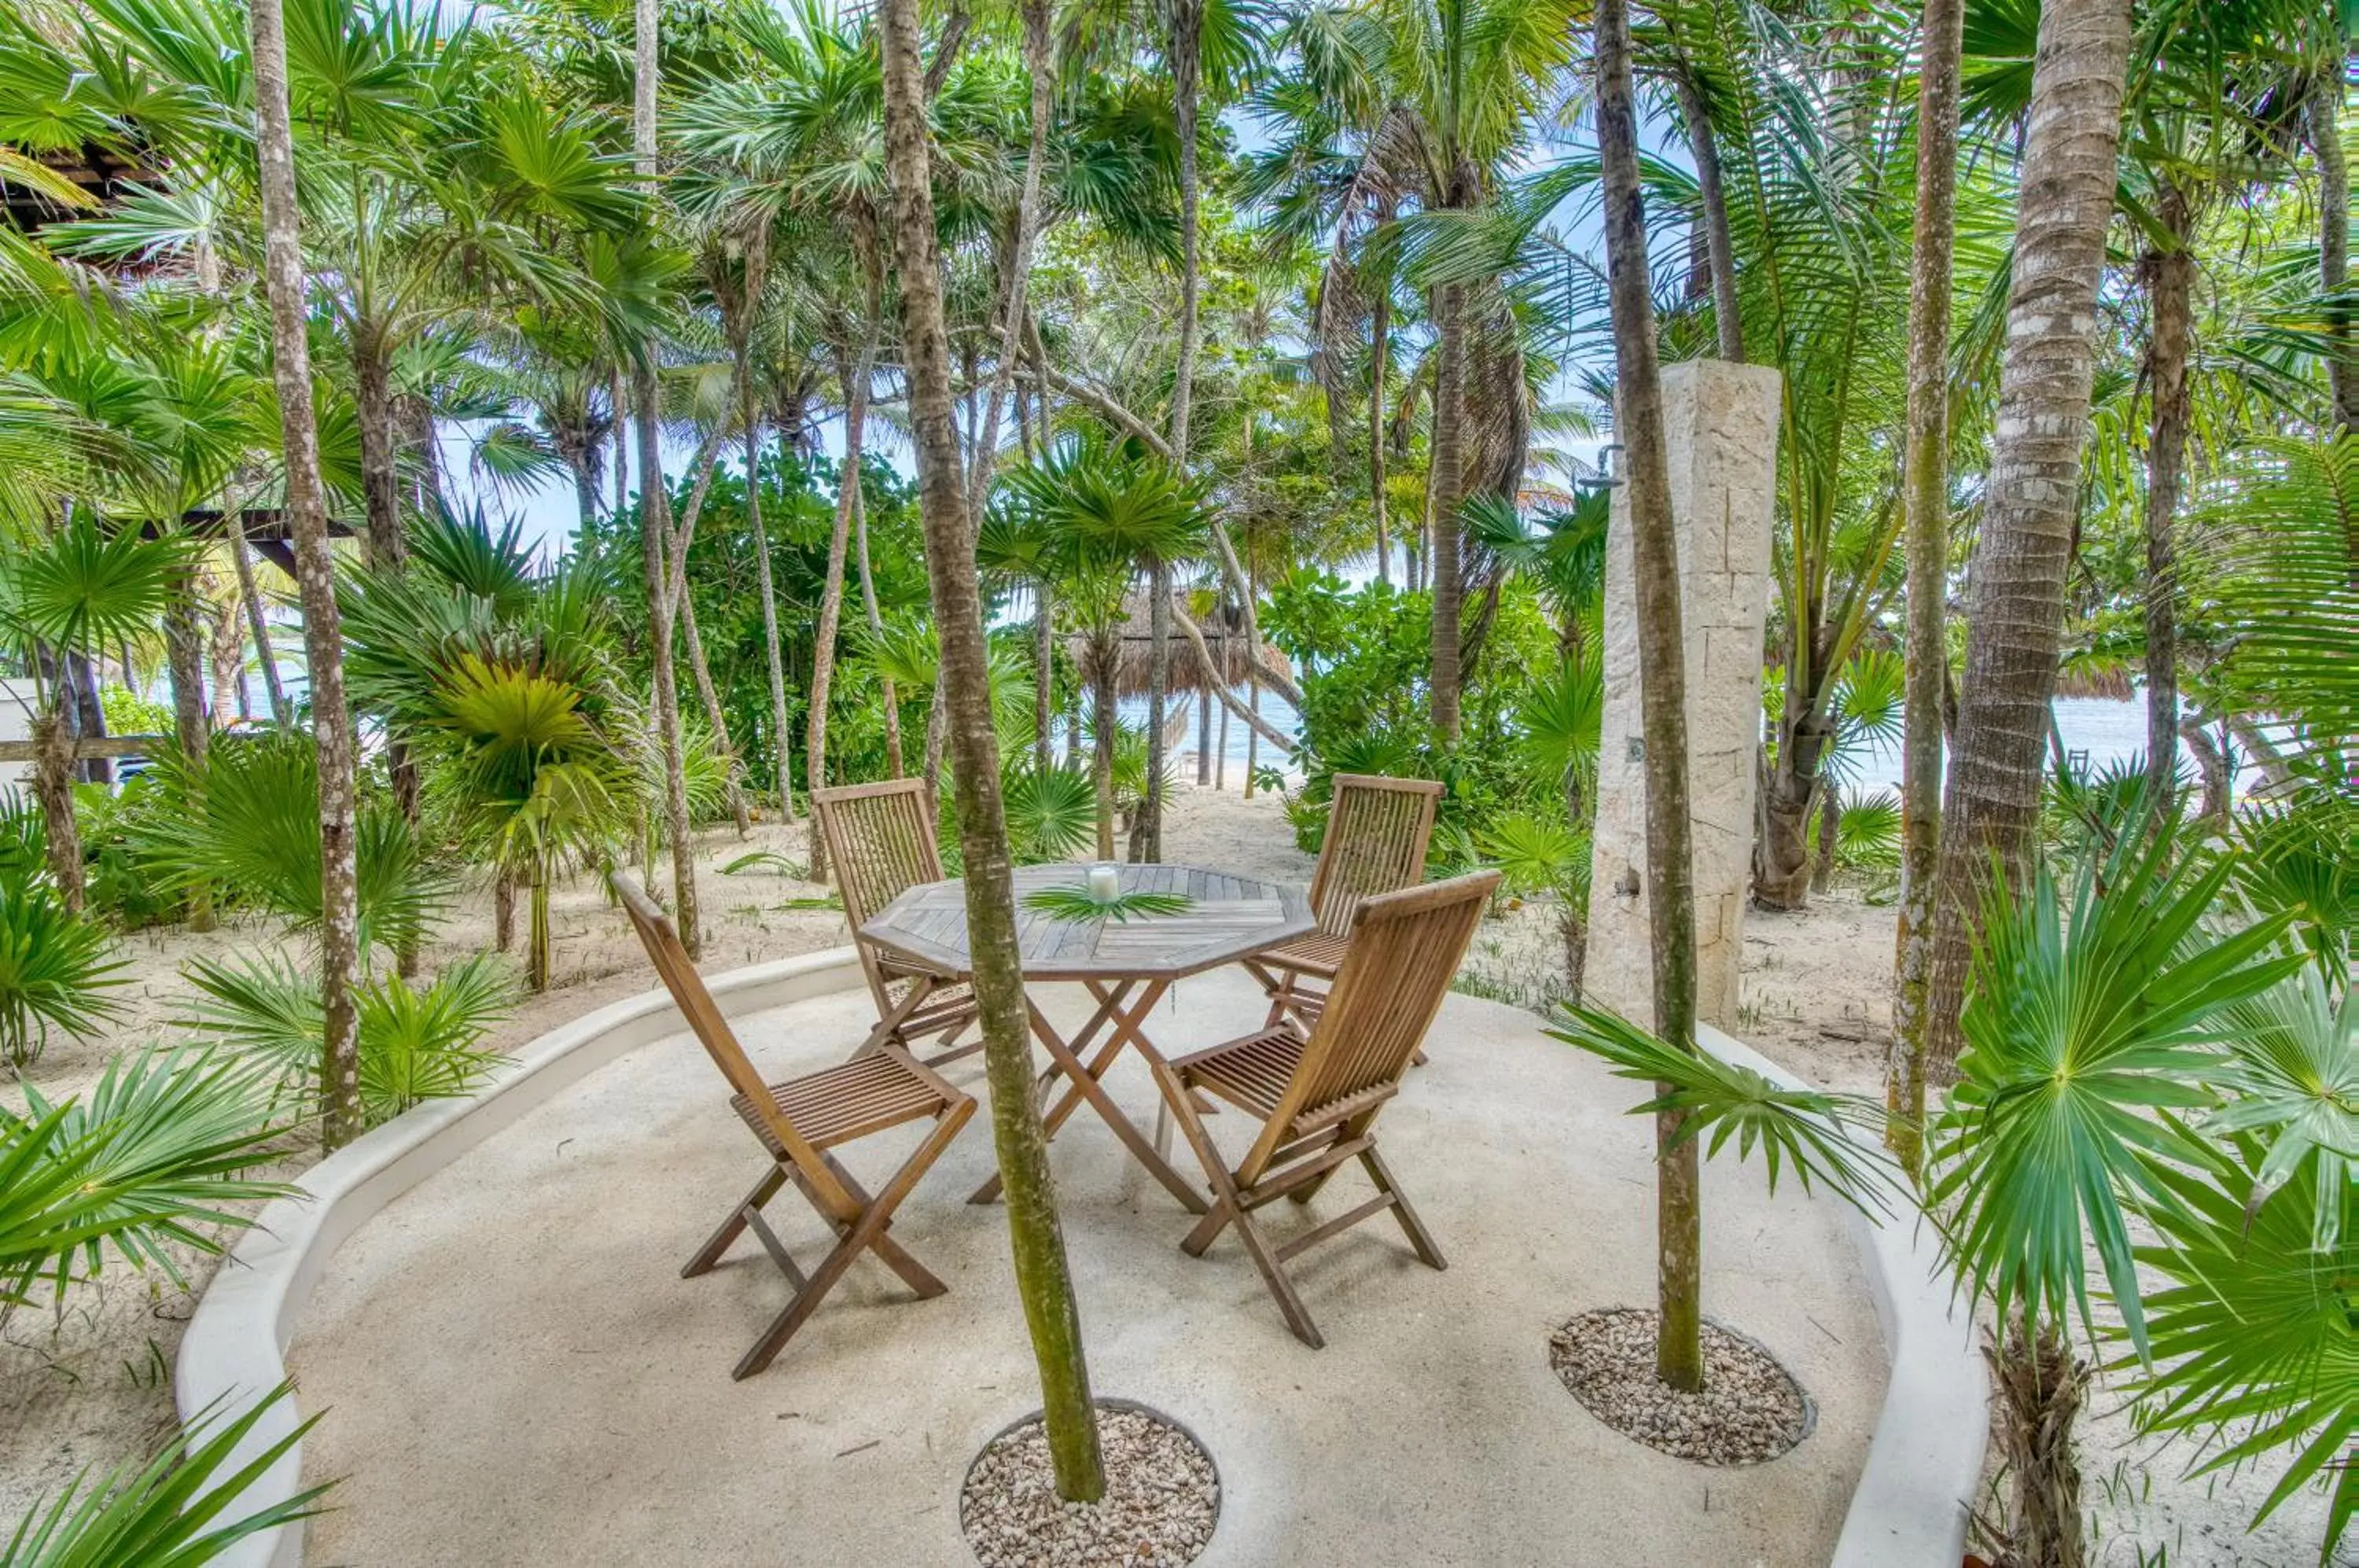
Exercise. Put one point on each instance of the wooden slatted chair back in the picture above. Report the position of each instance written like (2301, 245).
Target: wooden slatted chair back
(880, 842)
(1377, 831)
(658, 935)
(1405, 948)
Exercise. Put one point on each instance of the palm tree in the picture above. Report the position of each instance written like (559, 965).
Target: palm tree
(1662, 666)
(1114, 507)
(2015, 619)
(655, 516)
(1043, 1276)
(81, 591)
(1925, 499)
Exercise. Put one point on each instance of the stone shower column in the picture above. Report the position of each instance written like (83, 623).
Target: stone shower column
(1721, 428)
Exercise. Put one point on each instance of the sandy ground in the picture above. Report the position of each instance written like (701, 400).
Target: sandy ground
(513, 1372)
(89, 1385)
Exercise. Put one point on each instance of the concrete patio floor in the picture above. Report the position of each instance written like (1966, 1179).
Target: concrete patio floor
(512, 1371)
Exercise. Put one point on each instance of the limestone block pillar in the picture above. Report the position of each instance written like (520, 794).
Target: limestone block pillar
(1721, 428)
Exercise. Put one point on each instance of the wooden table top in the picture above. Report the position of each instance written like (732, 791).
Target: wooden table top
(1229, 917)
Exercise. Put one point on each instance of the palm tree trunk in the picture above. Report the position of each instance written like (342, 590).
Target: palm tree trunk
(1040, 65)
(1379, 344)
(53, 765)
(2334, 241)
(1147, 842)
(307, 517)
(1662, 680)
(380, 476)
(1184, 59)
(621, 407)
(655, 519)
(2170, 289)
(1443, 480)
(774, 659)
(1925, 486)
(2016, 618)
(1043, 1278)
(1102, 732)
(1720, 250)
(1044, 672)
(282, 712)
(536, 953)
(184, 650)
(2041, 1389)
(708, 697)
(876, 629)
(830, 603)
(503, 909)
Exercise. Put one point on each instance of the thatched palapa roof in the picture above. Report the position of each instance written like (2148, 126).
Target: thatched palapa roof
(1224, 639)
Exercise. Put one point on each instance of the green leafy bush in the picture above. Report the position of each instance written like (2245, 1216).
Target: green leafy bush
(55, 968)
(417, 1043)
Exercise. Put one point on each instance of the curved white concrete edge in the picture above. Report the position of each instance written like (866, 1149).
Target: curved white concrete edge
(234, 1349)
(1909, 1508)
(1924, 1461)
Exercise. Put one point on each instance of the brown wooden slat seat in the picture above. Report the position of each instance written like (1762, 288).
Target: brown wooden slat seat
(880, 842)
(1251, 1073)
(1378, 832)
(798, 1122)
(842, 1104)
(1318, 1092)
(1318, 952)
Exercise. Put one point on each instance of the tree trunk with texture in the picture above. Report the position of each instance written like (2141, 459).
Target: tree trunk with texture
(184, 651)
(1148, 844)
(1662, 679)
(1924, 497)
(1040, 65)
(893, 762)
(655, 520)
(1444, 475)
(830, 603)
(1043, 1277)
(2334, 242)
(1101, 734)
(1044, 674)
(53, 762)
(2041, 1389)
(258, 626)
(774, 656)
(2015, 615)
(315, 567)
(2171, 292)
(380, 440)
(1720, 249)
(1379, 347)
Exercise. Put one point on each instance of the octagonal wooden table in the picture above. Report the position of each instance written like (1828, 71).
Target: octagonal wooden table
(1127, 965)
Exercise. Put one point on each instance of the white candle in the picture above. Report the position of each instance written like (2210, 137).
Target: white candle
(1106, 883)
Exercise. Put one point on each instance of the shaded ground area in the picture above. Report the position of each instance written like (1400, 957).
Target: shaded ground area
(513, 1372)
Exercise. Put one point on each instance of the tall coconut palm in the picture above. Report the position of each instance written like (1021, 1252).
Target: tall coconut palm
(655, 516)
(307, 517)
(1044, 1278)
(1925, 482)
(2015, 617)
(1662, 675)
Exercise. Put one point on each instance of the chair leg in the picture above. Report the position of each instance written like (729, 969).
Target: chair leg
(1229, 1206)
(863, 1234)
(914, 1274)
(1418, 1237)
(711, 1253)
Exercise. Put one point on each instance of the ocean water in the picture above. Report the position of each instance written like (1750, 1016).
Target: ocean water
(2097, 732)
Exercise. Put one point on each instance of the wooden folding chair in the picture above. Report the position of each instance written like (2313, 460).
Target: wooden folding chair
(880, 841)
(799, 1122)
(1318, 1094)
(1377, 831)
